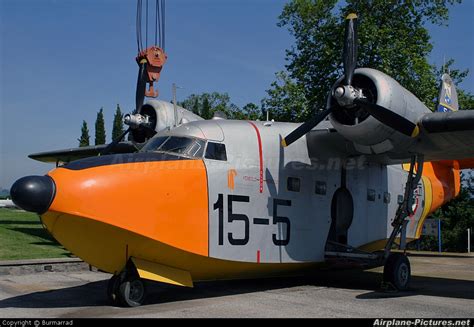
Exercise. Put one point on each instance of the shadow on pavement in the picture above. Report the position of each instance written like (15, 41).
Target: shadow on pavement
(93, 294)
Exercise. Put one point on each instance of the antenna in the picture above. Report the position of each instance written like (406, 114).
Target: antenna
(174, 87)
(444, 64)
(445, 68)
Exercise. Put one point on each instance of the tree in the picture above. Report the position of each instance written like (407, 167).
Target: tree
(206, 111)
(250, 112)
(195, 107)
(215, 101)
(287, 100)
(456, 217)
(466, 100)
(117, 129)
(392, 39)
(100, 128)
(84, 139)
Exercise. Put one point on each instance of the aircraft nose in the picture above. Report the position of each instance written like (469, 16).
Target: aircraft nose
(33, 193)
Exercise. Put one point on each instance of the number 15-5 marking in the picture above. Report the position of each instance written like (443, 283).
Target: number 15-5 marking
(233, 217)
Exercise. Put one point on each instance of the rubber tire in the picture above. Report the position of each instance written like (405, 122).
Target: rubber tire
(397, 271)
(132, 292)
(113, 289)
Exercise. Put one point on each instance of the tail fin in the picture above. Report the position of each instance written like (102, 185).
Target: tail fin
(448, 97)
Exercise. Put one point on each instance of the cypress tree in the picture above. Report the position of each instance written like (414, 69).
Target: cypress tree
(117, 129)
(100, 128)
(85, 137)
(196, 106)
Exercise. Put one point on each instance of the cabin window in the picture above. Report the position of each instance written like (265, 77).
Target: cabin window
(293, 184)
(187, 146)
(320, 188)
(371, 194)
(400, 199)
(386, 197)
(216, 151)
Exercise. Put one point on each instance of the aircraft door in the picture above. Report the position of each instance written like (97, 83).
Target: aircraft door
(342, 213)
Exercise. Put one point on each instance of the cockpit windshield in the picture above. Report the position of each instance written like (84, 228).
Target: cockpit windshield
(186, 146)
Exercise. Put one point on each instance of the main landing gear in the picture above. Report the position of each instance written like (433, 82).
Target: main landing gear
(127, 288)
(397, 271)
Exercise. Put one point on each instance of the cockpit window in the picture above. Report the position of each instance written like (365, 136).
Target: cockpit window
(191, 147)
(154, 143)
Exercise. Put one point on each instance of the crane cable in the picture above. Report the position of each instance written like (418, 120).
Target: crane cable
(162, 45)
(159, 24)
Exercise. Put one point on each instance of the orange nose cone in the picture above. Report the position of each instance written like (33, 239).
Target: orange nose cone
(165, 201)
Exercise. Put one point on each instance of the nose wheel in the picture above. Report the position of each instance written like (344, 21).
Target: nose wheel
(397, 271)
(126, 290)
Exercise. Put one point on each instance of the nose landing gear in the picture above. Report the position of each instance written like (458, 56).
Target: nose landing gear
(126, 289)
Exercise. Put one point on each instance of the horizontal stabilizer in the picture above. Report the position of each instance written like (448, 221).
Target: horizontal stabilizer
(68, 155)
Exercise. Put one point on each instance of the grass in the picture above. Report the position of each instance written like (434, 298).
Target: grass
(22, 236)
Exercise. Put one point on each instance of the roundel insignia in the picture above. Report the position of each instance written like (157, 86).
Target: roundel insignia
(447, 99)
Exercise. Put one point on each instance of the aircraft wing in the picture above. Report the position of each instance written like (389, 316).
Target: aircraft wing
(446, 136)
(443, 136)
(67, 155)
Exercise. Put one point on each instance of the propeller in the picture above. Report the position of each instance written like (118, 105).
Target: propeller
(349, 54)
(305, 128)
(348, 96)
(389, 118)
(132, 120)
(111, 146)
(141, 87)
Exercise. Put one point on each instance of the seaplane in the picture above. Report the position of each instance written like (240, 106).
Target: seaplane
(190, 200)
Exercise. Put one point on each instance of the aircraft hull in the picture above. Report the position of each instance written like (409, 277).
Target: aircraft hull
(109, 247)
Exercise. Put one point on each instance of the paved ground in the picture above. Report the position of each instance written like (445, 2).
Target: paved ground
(442, 287)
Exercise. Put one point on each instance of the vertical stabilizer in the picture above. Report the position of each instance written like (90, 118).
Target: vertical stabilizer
(448, 97)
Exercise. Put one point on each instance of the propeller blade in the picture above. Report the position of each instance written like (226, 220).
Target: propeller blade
(349, 55)
(141, 87)
(305, 128)
(114, 143)
(390, 118)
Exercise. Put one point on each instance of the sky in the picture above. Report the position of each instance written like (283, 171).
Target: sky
(62, 60)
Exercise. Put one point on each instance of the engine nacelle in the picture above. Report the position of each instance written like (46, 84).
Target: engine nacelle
(368, 134)
(157, 116)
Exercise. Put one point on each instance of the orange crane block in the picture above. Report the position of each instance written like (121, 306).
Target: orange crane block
(155, 58)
